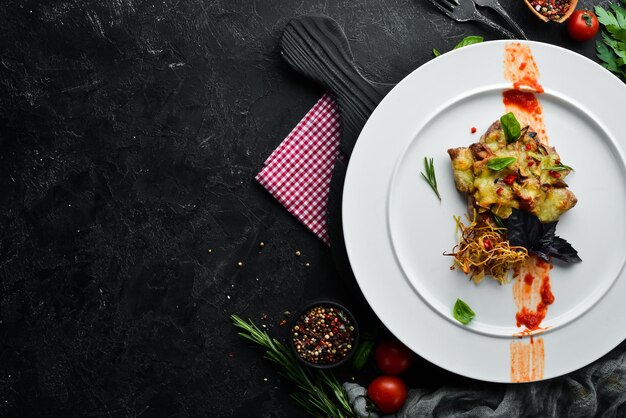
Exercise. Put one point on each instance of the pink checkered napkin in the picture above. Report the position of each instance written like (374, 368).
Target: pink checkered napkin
(299, 171)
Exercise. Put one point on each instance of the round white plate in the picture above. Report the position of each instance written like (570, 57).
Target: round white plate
(396, 230)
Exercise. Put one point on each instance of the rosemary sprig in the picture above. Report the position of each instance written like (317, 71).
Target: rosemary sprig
(430, 178)
(320, 394)
(499, 222)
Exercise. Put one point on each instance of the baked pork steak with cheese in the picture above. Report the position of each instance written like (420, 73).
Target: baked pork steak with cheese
(533, 182)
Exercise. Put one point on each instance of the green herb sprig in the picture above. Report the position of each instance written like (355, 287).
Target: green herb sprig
(429, 167)
(559, 167)
(611, 50)
(319, 392)
(462, 312)
(499, 223)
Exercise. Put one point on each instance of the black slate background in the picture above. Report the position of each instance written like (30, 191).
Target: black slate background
(130, 133)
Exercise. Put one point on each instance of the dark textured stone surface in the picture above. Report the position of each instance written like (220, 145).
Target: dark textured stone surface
(130, 133)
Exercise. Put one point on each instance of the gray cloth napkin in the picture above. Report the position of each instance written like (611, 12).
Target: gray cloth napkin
(596, 390)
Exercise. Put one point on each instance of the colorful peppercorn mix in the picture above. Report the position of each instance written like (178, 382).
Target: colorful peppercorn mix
(323, 335)
(552, 9)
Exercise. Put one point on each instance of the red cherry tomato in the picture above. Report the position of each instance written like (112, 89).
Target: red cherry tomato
(582, 25)
(388, 393)
(393, 357)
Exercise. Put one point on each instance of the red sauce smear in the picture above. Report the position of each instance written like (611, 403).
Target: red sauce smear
(547, 297)
(543, 265)
(532, 319)
(529, 278)
(521, 70)
(530, 83)
(522, 100)
(531, 296)
(527, 360)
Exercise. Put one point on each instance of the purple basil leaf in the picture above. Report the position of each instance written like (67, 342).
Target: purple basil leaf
(526, 230)
(561, 249)
(549, 230)
(545, 257)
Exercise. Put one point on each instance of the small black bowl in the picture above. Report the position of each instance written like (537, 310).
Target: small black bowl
(348, 315)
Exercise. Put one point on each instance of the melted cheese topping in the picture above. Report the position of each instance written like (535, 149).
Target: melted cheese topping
(529, 183)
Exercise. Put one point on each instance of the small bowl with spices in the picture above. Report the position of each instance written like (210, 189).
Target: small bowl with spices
(324, 334)
(552, 10)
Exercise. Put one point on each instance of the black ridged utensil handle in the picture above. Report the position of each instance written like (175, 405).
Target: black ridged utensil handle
(317, 47)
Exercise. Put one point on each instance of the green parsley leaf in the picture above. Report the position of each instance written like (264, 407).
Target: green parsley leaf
(618, 48)
(606, 17)
(462, 312)
(511, 127)
(620, 15)
(498, 163)
(436, 52)
(469, 40)
(607, 56)
(611, 50)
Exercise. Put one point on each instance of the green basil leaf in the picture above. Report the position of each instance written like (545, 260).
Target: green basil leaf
(511, 127)
(361, 354)
(469, 40)
(462, 312)
(498, 163)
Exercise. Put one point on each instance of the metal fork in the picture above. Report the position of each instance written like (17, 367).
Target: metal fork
(466, 10)
(497, 7)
